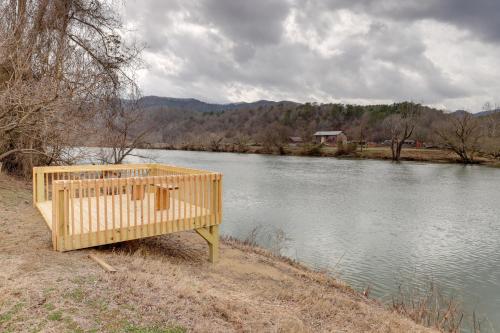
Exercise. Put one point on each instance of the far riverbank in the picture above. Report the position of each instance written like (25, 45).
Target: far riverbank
(372, 153)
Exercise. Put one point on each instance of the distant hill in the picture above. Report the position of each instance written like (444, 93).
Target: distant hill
(197, 105)
(477, 114)
(487, 113)
(459, 112)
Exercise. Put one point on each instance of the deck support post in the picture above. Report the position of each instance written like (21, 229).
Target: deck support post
(211, 235)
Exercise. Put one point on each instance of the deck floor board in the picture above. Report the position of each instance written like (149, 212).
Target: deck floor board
(137, 216)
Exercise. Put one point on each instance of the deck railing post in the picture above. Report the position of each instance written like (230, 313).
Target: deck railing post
(40, 187)
(60, 212)
(33, 179)
(218, 199)
(213, 199)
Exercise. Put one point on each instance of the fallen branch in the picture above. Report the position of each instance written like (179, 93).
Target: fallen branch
(102, 263)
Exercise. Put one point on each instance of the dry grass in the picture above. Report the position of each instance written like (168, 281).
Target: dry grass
(429, 307)
(165, 284)
(412, 154)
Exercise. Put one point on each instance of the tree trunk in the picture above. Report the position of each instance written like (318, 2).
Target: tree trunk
(394, 150)
(398, 150)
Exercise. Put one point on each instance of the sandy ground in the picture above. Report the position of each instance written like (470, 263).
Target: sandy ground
(165, 284)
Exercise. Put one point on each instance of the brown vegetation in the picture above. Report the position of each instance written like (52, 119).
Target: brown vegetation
(61, 63)
(401, 125)
(120, 131)
(164, 284)
(461, 133)
(431, 308)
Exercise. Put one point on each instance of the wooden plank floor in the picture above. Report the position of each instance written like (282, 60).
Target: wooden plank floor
(137, 216)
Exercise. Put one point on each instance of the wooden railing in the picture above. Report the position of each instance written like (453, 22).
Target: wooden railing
(43, 177)
(94, 205)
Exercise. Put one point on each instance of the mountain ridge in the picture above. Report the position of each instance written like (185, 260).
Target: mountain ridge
(201, 106)
(194, 104)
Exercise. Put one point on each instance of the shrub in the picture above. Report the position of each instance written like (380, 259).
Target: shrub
(311, 149)
(346, 148)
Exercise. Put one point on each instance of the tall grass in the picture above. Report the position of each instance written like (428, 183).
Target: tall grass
(274, 239)
(431, 308)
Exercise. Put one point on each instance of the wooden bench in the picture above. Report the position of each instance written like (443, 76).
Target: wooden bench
(162, 197)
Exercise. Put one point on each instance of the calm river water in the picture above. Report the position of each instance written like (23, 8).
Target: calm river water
(370, 223)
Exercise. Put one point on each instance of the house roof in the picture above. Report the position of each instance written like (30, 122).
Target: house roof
(327, 133)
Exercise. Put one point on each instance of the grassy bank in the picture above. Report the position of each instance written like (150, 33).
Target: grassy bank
(165, 284)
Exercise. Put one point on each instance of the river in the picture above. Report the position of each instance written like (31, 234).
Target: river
(369, 223)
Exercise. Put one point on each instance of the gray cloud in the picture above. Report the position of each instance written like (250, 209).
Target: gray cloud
(478, 16)
(255, 22)
(438, 52)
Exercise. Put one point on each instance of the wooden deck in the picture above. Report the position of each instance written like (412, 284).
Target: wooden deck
(87, 206)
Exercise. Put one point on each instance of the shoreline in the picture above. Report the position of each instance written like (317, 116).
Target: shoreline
(432, 155)
(164, 283)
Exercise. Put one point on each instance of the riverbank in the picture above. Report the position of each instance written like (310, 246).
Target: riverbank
(164, 284)
(373, 153)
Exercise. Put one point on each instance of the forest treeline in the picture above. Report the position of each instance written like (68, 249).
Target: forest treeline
(271, 127)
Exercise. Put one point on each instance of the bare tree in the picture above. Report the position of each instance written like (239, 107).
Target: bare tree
(461, 133)
(58, 61)
(401, 126)
(241, 143)
(360, 129)
(491, 146)
(215, 142)
(121, 132)
(491, 120)
(490, 141)
(275, 136)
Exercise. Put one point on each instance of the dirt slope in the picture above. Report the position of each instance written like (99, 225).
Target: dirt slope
(164, 284)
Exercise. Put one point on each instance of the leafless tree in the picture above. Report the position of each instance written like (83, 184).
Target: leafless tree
(401, 125)
(241, 143)
(491, 120)
(461, 133)
(215, 142)
(275, 137)
(58, 61)
(121, 131)
(491, 146)
(490, 123)
(360, 130)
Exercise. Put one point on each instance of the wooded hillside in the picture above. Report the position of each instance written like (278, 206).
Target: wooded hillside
(271, 125)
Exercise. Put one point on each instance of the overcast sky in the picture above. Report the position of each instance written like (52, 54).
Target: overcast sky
(444, 53)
